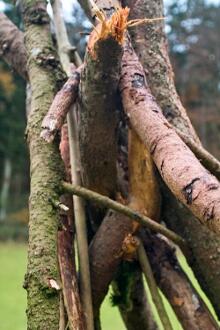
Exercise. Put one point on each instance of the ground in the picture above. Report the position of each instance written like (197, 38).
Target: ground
(13, 259)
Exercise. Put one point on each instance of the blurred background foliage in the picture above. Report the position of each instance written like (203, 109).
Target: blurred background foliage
(193, 30)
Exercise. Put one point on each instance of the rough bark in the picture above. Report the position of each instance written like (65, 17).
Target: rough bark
(185, 176)
(62, 102)
(66, 252)
(130, 297)
(105, 254)
(68, 274)
(204, 245)
(187, 304)
(152, 52)
(99, 81)
(79, 211)
(12, 47)
(150, 43)
(42, 278)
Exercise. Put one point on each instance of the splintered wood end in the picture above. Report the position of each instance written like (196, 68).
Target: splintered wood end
(114, 27)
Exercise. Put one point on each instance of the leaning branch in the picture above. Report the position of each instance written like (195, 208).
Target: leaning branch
(111, 204)
(79, 211)
(60, 106)
(187, 304)
(12, 47)
(157, 299)
(207, 159)
(153, 54)
(180, 169)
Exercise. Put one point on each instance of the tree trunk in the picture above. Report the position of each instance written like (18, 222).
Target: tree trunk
(42, 279)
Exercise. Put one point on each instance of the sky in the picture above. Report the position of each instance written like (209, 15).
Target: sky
(68, 4)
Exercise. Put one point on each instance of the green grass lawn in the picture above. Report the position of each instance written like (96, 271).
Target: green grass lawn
(13, 297)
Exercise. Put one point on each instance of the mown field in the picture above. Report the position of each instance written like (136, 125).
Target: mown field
(13, 297)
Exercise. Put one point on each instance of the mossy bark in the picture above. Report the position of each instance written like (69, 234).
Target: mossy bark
(46, 172)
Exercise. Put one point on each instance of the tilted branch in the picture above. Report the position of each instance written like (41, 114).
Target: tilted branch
(12, 47)
(207, 159)
(113, 205)
(157, 299)
(173, 282)
(60, 106)
(97, 125)
(150, 44)
(79, 211)
(180, 169)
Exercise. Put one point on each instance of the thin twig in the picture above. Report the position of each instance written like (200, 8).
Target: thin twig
(111, 204)
(79, 212)
(207, 159)
(157, 299)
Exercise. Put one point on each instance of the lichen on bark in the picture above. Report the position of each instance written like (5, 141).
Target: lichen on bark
(46, 172)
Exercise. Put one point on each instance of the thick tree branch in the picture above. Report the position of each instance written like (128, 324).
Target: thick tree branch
(42, 279)
(12, 47)
(157, 299)
(186, 302)
(152, 52)
(99, 82)
(181, 171)
(207, 160)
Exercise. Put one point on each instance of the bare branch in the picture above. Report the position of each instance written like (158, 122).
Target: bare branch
(80, 218)
(111, 204)
(208, 160)
(189, 307)
(180, 169)
(157, 299)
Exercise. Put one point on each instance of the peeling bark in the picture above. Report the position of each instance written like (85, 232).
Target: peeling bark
(187, 304)
(66, 252)
(181, 171)
(99, 81)
(144, 194)
(12, 47)
(42, 278)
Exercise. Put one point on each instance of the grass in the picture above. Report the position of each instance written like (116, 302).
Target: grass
(13, 297)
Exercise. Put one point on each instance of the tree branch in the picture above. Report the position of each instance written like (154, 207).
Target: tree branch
(185, 301)
(42, 278)
(12, 47)
(157, 299)
(60, 106)
(151, 46)
(111, 204)
(181, 171)
(207, 159)
(97, 125)
(79, 212)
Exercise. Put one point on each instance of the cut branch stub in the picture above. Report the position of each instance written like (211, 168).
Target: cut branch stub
(97, 125)
(185, 176)
(61, 104)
